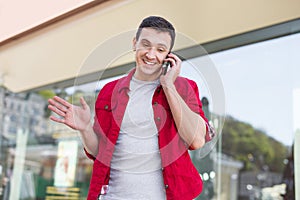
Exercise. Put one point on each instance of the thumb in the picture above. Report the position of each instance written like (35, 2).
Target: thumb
(83, 103)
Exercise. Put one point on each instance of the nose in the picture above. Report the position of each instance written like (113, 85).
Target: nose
(151, 53)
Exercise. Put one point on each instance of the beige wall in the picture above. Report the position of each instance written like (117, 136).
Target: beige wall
(57, 52)
(18, 16)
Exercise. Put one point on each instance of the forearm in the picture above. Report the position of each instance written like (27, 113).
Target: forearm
(90, 140)
(191, 126)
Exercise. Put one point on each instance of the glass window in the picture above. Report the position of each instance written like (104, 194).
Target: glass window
(250, 159)
(254, 153)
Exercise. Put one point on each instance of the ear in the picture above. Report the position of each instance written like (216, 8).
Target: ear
(134, 44)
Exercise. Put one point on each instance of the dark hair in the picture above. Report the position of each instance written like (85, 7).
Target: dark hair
(159, 24)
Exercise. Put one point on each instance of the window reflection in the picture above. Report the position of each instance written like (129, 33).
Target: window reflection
(249, 161)
(258, 133)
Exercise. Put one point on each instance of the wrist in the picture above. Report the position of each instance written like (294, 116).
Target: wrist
(169, 87)
(88, 128)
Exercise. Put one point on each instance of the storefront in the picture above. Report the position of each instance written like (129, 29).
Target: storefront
(252, 67)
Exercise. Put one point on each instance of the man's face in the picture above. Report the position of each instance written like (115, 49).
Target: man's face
(152, 48)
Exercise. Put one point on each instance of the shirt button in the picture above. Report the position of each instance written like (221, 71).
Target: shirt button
(155, 103)
(106, 107)
(158, 118)
(166, 186)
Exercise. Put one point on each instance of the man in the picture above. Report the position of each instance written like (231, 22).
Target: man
(144, 125)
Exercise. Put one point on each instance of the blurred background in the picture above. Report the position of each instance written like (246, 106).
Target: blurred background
(244, 56)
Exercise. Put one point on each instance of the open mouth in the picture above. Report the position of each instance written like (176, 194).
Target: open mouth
(149, 63)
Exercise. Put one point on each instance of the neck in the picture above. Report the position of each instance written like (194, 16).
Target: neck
(140, 77)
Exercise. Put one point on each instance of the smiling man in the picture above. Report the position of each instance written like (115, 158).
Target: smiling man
(144, 125)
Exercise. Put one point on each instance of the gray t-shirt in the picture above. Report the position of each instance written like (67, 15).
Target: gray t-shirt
(136, 163)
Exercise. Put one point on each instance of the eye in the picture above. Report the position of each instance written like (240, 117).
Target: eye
(146, 44)
(161, 50)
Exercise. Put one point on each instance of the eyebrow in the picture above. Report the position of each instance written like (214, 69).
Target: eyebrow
(159, 44)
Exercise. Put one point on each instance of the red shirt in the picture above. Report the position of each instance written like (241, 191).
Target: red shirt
(181, 178)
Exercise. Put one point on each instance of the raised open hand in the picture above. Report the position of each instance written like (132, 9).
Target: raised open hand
(76, 117)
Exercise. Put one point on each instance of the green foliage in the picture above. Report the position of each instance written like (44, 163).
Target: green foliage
(46, 94)
(75, 98)
(253, 147)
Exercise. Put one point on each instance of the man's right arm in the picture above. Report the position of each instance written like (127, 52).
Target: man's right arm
(77, 118)
(90, 140)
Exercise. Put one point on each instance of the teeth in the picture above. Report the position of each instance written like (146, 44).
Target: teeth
(149, 63)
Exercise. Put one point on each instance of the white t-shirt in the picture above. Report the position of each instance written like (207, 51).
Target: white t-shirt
(136, 163)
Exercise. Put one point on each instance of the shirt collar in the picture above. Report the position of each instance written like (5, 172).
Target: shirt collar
(124, 83)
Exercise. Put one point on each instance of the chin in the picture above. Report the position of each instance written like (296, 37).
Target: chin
(149, 71)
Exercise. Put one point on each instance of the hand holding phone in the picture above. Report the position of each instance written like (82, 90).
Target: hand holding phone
(165, 67)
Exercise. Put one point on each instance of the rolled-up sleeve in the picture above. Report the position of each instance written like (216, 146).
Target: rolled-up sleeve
(193, 101)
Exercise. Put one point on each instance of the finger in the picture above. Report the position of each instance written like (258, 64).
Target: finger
(57, 119)
(173, 63)
(58, 105)
(83, 103)
(62, 101)
(176, 63)
(174, 56)
(56, 110)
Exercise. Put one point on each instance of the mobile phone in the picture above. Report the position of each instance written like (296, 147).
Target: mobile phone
(165, 67)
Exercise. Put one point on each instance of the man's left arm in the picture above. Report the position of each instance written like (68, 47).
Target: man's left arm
(191, 126)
